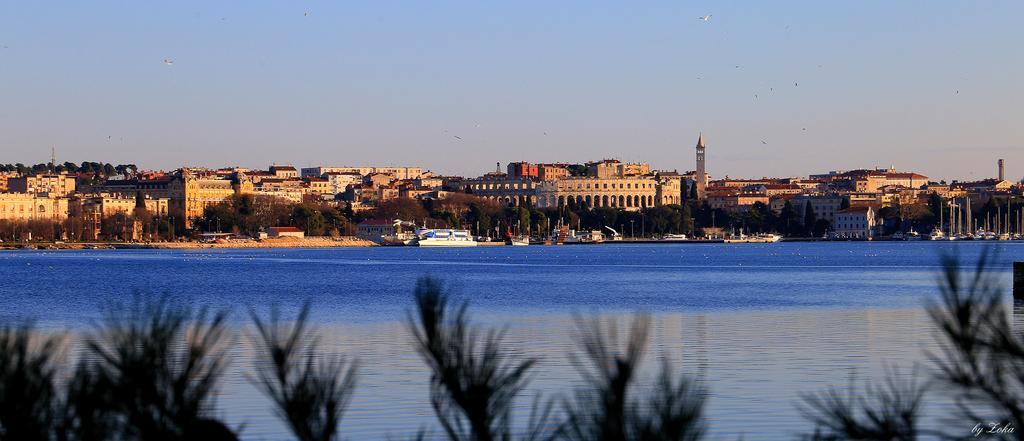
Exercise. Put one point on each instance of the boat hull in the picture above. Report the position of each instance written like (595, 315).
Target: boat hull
(445, 243)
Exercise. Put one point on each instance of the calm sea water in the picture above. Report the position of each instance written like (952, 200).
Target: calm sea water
(760, 323)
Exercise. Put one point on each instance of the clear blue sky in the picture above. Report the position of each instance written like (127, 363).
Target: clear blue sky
(928, 86)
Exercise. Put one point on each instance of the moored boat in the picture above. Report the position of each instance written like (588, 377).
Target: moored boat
(445, 237)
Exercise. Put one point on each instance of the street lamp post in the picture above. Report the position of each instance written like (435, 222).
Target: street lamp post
(631, 235)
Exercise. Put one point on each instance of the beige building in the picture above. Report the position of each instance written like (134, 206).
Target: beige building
(627, 193)
(825, 206)
(402, 173)
(110, 204)
(56, 184)
(4, 176)
(188, 191)
(32, 207)
(611, 168)
(735, 202)
(338, 181)
(318, 186)
(201, 191)
(284, 172)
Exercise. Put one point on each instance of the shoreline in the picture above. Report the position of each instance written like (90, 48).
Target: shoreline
(316, 242)
(355, 242)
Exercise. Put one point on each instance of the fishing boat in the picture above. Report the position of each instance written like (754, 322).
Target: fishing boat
(444, 237)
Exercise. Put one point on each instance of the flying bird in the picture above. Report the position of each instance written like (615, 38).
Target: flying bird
(705, 19)
(305, 14)
(763, 142)
(458, 138)
(795, 84)
(168, 61)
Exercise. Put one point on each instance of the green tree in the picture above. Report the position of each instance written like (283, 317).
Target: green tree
(686, 219)
(809, 218)
(479, 219)
(789, 219)
(309, 219)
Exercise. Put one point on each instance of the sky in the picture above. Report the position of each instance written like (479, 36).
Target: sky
(784, 88)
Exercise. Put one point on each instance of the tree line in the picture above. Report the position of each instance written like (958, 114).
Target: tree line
(99, 168)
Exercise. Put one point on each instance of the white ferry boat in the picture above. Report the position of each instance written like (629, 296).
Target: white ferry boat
(673, 237)
(429, 237)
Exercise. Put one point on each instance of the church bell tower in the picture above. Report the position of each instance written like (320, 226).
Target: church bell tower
(702, 176)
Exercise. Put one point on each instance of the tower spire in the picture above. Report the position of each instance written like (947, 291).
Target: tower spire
(701, 173)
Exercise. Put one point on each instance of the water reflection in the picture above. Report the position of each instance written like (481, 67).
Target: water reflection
(755, 364)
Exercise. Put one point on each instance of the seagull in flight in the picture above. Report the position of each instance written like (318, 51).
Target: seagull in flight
(305, 14)
(763, 142)
(168, 61)
(458, 138)
(705, 19)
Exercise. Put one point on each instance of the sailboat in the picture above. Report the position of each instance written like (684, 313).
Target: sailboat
(518, 240)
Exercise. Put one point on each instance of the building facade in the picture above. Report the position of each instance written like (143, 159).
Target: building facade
(855, 223)
(397, 172)
(57, 184)
(504, 189)
(824, 206)
(627, 193)
(32, 207)
(111, 204)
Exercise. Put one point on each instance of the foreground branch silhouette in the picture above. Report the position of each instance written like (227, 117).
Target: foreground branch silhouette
(310, 391)
(474, 380)
(980, 364)
(607, 409)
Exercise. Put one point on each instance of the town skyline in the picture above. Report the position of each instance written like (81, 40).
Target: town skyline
(991, 172)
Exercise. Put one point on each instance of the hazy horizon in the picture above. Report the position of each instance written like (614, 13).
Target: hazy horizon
(780, 89)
